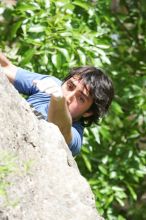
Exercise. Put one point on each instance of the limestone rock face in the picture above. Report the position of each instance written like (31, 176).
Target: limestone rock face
(52, 188)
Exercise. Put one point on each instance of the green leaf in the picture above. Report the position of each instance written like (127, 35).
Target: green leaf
(133, 193)
(102, 46)
(120, 217)
(14, 28)
(116, 108)
(37, 28)
(28, 6)
(109, 200)
(95, 132)
(104, 130)
(105, 59)
(82, 4)
(28, 56)
(121, 202)
(45, 59)
(102, 169)
(82, 57)
(56, 60)
(87, 162)
(64, 52)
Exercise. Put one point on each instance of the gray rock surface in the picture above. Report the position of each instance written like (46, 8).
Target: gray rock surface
(47, 184)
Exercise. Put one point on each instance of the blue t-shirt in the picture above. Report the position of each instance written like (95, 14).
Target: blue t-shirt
(40, 101)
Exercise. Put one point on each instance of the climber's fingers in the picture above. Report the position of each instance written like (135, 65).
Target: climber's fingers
(3, 60)
(44, 84)
(49, 86)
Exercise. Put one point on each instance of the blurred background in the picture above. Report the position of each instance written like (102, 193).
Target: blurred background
(50, 37)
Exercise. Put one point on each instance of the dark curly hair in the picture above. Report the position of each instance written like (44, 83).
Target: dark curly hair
(101, 89)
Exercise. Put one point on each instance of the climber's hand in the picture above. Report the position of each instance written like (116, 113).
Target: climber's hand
(58, 110)
(7, 68)
(4, 62)
(49, 86)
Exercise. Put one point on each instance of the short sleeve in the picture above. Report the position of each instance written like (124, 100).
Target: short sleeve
(24, 81)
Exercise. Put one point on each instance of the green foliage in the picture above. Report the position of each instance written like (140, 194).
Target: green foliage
(54, 36)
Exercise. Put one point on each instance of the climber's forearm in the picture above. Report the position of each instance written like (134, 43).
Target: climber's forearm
(10, 72)
(66, 132)
(8, 68)
(59, 115)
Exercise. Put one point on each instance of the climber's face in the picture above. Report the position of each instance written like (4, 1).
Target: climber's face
(77, 97)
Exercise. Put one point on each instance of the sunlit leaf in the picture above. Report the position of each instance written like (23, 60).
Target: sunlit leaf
(28, 6)
(117, 108)
(27, 56)
(36, 28)
(82, 57)
(64, 52)
(82, 4)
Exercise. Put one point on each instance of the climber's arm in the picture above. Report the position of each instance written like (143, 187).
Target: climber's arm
(60, 115)
(21, 79)
(8, 68)
(58, 111)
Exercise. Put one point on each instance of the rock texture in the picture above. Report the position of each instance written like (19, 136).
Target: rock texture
(47, 184)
